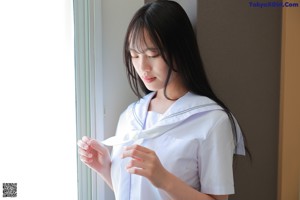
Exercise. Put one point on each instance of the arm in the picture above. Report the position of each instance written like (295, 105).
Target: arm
(97, 157)
(145, 163)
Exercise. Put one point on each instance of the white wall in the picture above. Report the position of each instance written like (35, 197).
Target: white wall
(116, 16)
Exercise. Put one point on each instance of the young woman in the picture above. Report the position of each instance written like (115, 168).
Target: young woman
(178, 141)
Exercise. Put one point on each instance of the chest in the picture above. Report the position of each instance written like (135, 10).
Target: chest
(178, 155)
(177, 150)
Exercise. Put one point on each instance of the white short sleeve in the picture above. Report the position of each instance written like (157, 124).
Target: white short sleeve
(215, 158)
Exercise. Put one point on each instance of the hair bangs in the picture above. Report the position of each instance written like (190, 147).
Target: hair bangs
(136, 39)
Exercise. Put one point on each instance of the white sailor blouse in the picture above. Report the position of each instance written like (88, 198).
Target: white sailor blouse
(193, 140)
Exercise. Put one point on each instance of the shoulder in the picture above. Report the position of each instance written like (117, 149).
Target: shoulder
(220, 120)
(218, 116)
(192, 106)
(190, 96)
(211, 110)
(219, 127)
(212, 122)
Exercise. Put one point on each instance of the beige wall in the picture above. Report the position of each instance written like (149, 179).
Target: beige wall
(241, 48)
(289, 144)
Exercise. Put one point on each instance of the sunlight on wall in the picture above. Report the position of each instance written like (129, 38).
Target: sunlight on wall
(37, 100)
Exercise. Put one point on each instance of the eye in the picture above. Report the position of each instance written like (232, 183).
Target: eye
(153, 56)
(134, 54)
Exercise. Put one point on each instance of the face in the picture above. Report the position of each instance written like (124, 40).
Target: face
(151, 67)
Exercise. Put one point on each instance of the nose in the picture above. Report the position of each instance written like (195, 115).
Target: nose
(144, 64)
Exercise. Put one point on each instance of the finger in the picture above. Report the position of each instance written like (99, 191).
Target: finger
(82, 145)
(136, 163)
(85, 153)
(98, 147)
(86, 160)
(136, 154)
(139, 148)
(137, 171)
(85, 139)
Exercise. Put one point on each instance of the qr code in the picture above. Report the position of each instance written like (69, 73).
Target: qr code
(9, 189)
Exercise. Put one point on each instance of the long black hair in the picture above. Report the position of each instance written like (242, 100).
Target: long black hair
(172, 33)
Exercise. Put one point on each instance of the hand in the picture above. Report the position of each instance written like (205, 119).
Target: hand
(94, 155)
(145, 163)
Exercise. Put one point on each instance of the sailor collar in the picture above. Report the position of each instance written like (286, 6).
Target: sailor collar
(183, 108)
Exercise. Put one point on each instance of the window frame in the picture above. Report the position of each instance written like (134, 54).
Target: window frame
(89, 89)
(100, 26)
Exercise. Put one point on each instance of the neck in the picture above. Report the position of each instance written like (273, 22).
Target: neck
(171, 94)
(160, 103)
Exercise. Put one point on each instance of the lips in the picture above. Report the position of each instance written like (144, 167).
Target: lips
(149, 79)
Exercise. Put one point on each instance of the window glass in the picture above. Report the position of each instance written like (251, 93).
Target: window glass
(37, 103)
